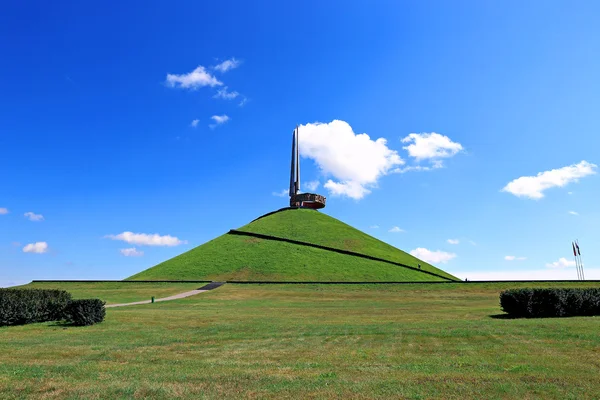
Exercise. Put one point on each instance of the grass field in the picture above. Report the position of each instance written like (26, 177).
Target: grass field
(306, 341)
(230, 257)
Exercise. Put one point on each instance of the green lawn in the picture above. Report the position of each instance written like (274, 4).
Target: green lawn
(231, 257)
(308, 341)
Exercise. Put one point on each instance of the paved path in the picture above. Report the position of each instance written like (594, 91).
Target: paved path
(203, 289)
(174, 297)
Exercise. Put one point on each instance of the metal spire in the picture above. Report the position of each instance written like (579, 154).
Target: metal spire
(295, 165)
(297, 160)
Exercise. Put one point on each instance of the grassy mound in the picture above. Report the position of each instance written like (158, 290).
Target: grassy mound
(231, 257)
(318, 228)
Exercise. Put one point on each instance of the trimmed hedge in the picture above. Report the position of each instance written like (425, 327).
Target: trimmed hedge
(25, 306)
(85, 312)
(543, 303)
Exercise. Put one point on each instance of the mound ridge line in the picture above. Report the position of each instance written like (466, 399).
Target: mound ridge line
(333, 249)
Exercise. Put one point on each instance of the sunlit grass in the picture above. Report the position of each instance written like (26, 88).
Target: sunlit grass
(309, 341)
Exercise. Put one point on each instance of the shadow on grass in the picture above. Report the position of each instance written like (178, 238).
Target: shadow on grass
(508, 316)
(504, 316)
(63, 324)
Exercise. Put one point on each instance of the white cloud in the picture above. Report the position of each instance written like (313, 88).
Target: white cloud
(351, 189)
(435, 164)
(224, 94)
(533, 187)
(355, 161)
(193, 80)
(561, 263)
(194, 123)
(527, 275)
(433, 257)
(226, 65)
(472, 243)
(3, 211)
(569, 193)
(513, 258)
(131, 252)
(374, 227)
(219, 120)
(147, 239)
(453, 241)
(282, 193)
(243, 102)
(396, 229)
(9, 283)
(37, 247)
(33, 216)
(573, 213)
(311, 186)
(430, 145)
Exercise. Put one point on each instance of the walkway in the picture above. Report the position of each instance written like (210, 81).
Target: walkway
(203, 289)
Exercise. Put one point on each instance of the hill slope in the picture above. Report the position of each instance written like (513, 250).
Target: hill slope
(233, 257)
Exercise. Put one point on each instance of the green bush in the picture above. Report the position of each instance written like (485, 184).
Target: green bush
(85, 312)
(25, 306)
(543, 303)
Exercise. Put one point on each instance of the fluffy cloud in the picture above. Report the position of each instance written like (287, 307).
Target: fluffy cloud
(513, 258)
(430, 145)
(350, 189)
(282, 193)
(147, 239)
(225, 94)
(435, 164)
(533, 187)
(453, 241)
(374, 227)
(131, 252)
(396, 229)
(311, 186)
(226, 65)
(193, 80)
(433, 257)
(3, 211)
(573, 213)
(219, 120)
(355, 161)
(194, 123)
(527, 275)
(561, 263)
(37, 247)
(33, 216)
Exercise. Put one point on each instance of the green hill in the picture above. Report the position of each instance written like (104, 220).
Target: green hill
(245, 257)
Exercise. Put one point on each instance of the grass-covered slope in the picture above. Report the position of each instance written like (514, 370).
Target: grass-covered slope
(232, 257)
(315, 227)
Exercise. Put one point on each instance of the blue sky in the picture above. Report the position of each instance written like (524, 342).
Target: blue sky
(173, 121)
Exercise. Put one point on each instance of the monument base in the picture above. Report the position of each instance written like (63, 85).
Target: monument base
(309, 200)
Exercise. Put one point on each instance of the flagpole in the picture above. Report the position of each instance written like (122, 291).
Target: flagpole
(580, 260)
(576, 261)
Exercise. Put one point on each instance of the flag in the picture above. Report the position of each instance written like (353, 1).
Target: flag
(574, 252)
(576, 245)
